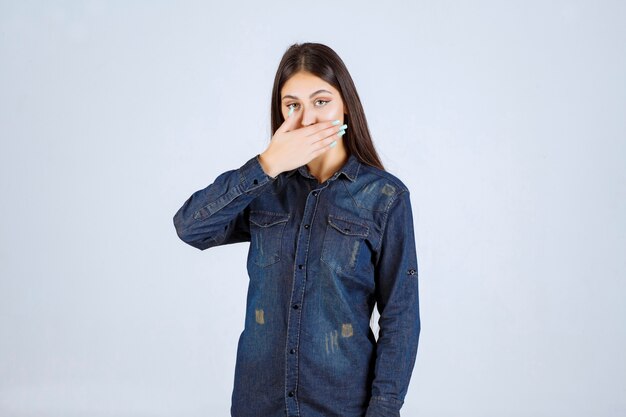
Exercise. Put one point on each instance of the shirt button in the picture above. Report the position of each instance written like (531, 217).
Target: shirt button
(411, 271)
(300, 266)
(306, 226)
(292, 351)
(291, 393)
(315, 193)
(295, 306)
(255, 182)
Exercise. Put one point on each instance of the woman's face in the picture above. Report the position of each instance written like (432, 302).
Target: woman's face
(314, 98)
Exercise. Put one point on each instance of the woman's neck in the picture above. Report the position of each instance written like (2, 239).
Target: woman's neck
(324, 166)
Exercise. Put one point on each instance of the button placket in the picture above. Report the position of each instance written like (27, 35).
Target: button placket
(297, 298)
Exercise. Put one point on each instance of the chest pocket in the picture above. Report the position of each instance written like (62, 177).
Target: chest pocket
(266, 235)
(342, 243)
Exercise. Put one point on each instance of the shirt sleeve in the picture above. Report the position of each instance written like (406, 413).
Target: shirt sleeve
(216, 215)
(398, 303)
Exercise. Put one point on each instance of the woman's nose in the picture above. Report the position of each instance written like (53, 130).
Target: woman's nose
(308, 117)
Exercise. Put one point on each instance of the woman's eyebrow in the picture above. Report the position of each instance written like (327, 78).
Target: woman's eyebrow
(311, 96)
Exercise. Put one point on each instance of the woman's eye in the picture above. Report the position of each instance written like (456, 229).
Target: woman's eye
(316, 101)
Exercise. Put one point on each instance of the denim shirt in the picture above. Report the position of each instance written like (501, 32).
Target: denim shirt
(320, 256)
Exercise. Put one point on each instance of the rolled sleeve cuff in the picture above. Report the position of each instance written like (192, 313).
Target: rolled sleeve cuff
(253, 175)
(382, 407)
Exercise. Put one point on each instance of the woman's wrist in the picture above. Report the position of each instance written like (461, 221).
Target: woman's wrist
(267, 165)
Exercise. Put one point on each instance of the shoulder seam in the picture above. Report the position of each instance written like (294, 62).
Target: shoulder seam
(389, 177)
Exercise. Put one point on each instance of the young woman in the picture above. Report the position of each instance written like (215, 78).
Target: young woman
(331, 234)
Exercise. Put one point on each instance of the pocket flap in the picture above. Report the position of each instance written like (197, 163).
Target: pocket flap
(348, 227)
(267, 218)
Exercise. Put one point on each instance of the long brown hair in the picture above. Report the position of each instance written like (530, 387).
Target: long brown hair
(322, 61)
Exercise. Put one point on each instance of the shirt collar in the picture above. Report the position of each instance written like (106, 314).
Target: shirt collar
(350, 169)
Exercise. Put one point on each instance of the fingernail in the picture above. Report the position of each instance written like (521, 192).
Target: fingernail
(290, 112)
(341, 133)
(336, 122)
(343, 127)
(333, 144)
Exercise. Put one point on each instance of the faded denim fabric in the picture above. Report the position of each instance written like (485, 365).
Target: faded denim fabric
(320, 256)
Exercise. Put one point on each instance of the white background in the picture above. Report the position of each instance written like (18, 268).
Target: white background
(506, 119)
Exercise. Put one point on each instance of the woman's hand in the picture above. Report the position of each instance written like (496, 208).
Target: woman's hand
(291, 147)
